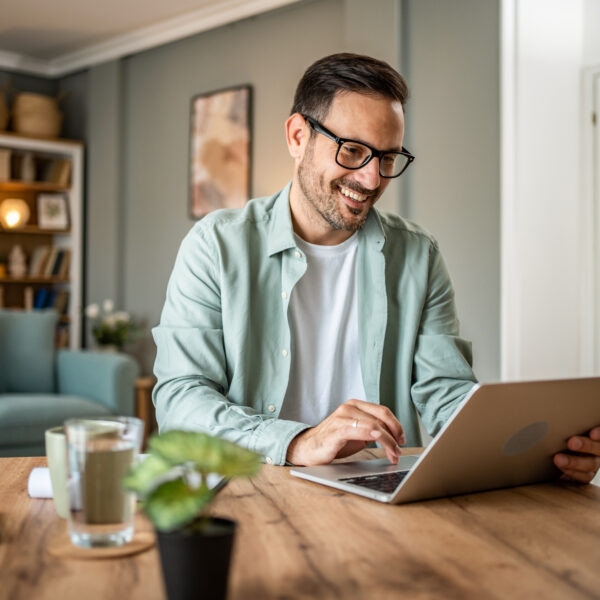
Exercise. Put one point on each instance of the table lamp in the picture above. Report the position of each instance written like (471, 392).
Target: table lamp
(14, 213)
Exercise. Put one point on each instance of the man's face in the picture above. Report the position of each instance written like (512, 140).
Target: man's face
(338, 197)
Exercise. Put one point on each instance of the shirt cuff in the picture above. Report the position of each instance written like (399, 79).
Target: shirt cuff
(272, 438)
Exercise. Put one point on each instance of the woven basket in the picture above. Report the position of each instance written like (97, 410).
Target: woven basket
(36, 115)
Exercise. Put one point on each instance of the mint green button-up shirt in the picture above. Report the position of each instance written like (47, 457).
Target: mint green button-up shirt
(223, 342)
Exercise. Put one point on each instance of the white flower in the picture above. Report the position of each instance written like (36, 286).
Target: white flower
(108, 306)
(122, 317)
(92, 311)
(109, 321)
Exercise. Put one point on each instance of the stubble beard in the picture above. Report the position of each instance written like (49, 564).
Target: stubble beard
(324, 201)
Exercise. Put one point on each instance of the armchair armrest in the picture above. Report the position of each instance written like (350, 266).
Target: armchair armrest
(108, 379)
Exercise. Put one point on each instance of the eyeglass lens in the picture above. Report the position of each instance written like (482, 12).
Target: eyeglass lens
(353, 155)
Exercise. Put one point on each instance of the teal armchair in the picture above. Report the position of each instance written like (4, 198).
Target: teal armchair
(41, 387)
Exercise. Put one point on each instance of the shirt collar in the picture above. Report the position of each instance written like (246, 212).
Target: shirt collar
(281, 233)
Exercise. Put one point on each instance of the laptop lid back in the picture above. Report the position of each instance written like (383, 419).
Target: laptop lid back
(504, 435)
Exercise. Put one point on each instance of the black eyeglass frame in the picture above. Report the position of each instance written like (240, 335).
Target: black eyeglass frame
(319, 128)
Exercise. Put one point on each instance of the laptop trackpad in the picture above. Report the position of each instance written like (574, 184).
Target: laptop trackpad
(379, 465)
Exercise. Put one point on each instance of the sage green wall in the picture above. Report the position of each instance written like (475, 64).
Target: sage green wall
(453, 128)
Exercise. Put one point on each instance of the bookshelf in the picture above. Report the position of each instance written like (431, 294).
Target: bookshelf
(31, 168)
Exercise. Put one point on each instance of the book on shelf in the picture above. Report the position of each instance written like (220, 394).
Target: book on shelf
(48, 297)
(58, 172)
(61, 302)
(65, 266)
(5, 154)
(40, 298)
(50, 262)
(37, 263)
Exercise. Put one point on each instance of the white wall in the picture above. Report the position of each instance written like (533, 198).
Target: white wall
(542, 56)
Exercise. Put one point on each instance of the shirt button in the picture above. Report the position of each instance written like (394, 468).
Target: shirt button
(298, 254)
(269, 460)
(284, 295)
(271, 408)
(284, 352)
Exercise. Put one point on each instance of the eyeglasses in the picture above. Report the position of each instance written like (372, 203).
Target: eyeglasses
(355, 155)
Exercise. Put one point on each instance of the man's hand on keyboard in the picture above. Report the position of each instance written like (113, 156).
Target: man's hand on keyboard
(350, 428)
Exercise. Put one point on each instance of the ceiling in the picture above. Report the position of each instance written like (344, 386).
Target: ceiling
(58, 37)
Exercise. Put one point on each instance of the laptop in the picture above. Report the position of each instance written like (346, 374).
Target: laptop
(502, 435)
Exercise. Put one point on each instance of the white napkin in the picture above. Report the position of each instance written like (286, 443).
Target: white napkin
(39, 484)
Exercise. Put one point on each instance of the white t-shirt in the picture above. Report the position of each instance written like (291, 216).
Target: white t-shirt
(323, 316)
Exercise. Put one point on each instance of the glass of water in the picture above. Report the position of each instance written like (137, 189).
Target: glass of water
(101, 450)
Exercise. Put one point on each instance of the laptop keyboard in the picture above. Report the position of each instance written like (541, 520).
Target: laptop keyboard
(382, 482)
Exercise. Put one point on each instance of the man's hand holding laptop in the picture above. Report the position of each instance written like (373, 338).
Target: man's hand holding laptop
(583, 465)
(347, 430)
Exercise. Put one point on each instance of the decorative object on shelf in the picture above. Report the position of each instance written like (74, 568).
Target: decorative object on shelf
(174, 485)
(14, 213)
(110, 327)
(17, 266)
(220, 150)
(28, 167)
(36, 115)
(52, 211)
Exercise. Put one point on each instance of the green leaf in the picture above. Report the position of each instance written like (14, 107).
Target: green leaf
(208, 454)
(174, 503)
(144, 477)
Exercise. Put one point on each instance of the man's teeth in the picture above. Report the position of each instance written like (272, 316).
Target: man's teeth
(354, 195)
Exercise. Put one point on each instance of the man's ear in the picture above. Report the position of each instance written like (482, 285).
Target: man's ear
(296, 135)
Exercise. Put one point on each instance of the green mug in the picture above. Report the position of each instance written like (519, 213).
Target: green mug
(56, 453)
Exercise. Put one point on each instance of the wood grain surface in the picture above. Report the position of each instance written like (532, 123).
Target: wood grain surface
(297, 539)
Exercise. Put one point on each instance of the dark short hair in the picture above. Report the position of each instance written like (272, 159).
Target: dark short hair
(345, 72)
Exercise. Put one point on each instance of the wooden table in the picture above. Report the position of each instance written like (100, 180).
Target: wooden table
(301, 540)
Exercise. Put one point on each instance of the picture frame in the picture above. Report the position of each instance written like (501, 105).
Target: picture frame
(220, 150)
(53, 211)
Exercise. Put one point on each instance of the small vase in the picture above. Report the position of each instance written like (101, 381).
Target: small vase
(108, 348)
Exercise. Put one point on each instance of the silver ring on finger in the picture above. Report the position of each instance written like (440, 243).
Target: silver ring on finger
(355, 423)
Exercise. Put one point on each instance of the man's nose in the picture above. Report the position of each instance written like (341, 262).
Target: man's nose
(369, 174)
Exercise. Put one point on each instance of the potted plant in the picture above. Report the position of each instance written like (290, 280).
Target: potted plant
(173, 485)
(111, 329)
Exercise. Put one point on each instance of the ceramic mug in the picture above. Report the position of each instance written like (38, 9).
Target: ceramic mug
(56, 453)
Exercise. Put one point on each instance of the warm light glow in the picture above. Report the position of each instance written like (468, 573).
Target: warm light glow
(14, 213)
(12, 218)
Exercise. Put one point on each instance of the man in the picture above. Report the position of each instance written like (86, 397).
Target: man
(308, 324)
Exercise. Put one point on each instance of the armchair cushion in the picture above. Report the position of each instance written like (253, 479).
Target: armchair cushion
(106, 378)
(25, 417)
(27, 351)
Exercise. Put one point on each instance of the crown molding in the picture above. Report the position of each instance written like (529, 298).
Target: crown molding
(203, 19)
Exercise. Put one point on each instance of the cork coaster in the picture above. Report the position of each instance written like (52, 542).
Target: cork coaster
(59, 544)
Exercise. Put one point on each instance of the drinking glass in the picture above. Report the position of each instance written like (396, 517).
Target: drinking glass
(101, 451)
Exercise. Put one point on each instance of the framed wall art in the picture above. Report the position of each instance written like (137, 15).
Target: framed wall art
(220, 150)
(53, 211)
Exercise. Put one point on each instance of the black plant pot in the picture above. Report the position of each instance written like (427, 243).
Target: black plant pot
(196, 564)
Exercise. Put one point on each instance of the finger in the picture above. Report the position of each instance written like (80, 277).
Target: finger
(383, 414)
(595, 434)
(584, 444)
(584, 464)
(579, 476)
(369, 429)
